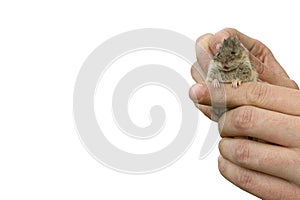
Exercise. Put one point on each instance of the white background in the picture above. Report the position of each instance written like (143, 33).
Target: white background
(42, 47)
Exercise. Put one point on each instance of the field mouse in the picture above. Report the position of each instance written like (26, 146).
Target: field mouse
(230, 64)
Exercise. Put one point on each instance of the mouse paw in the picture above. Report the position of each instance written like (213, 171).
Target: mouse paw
(216, 83)
(236, 83)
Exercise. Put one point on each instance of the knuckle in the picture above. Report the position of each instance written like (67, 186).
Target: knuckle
(259, 66)
(245, 179)
(275, 157)
(197, 72)
(293, 193)
(231, 31)
(265, 53)
(243, 118)
(242, 152)
(218, 96)
(257, 94)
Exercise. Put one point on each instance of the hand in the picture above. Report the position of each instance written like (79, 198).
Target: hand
(261, 58)
(268, 110)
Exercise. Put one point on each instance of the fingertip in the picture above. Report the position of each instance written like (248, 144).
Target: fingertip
(196, 92)
(204, 38)
(197, 73)
(218, 46)
(203, 51)
(202, 42)
(294, 85)
(206, 110)
(217, 40)
(222, 143)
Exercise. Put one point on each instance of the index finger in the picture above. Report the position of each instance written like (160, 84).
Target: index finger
(263, 95)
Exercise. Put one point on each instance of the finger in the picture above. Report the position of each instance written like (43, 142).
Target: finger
(207, 111)
(263, 95)
(270, 159)
(203, 51)
(260, 56)
(255, 47)
(198, 73)
(204, 109)
(262, 124)
(259, 184)
(269, 75)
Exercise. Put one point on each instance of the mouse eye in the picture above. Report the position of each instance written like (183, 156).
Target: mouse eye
(233, 53)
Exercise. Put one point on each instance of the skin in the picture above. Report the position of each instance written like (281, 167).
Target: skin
(268, 110)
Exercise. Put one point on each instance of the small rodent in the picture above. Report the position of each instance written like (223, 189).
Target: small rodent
(231, 64)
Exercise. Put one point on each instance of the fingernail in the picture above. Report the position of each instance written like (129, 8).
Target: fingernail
(218, 46)
(197, 91)
(223, 144)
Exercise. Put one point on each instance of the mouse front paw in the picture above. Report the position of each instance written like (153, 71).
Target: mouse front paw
(236, 83)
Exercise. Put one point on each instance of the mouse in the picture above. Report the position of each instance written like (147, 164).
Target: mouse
(231, 64)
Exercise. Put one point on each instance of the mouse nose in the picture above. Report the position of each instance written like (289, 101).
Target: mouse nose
(224, 62)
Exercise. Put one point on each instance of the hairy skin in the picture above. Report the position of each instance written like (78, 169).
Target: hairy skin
(267, 110)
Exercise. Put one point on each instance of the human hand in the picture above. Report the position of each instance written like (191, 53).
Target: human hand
(269, 112)
(261, 58)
